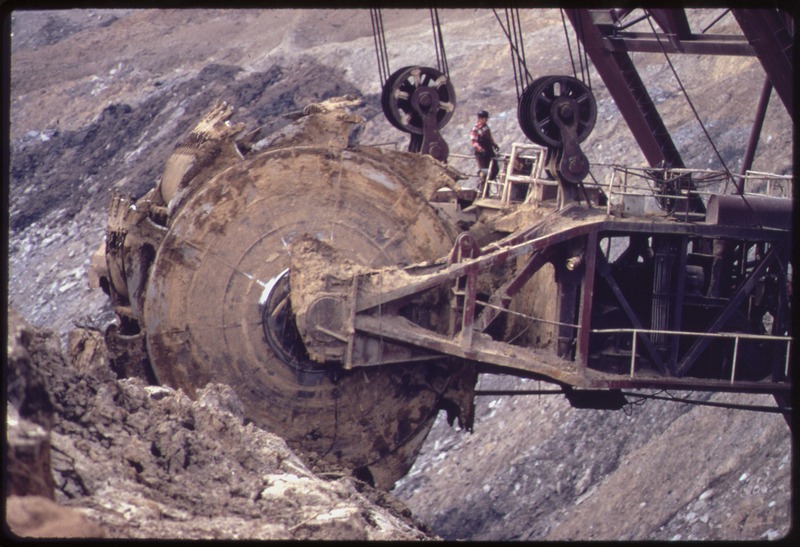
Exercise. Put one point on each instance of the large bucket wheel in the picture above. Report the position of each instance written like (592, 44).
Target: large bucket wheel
(219, 279)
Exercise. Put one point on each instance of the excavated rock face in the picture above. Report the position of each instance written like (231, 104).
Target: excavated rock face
(30, 488)
(29, 417)
(133, 460)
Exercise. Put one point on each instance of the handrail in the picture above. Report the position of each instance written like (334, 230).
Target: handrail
(774, 185)
(735, 335)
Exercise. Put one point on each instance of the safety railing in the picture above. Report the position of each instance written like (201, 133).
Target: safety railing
(736, 336)
(767, 184)
(523, 167)
(637, 185)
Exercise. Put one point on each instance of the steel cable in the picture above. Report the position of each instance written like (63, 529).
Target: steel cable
(438, 41)
(517, 58)
(379, 39)
(688, 99)
(583, 57)
(569, 44)
(739, 188)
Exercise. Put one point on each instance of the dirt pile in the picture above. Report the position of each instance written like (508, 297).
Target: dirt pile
(535, 468)
(146, 461)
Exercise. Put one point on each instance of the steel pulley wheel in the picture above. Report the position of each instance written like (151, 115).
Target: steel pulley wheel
(409, 86)
(386, 98)
(535, 109)
(216, 306)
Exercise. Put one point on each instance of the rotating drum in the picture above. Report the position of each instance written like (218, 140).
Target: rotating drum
(221, 264)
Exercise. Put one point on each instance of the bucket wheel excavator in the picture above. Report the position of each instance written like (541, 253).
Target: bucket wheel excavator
(323, 282)
(198, 272)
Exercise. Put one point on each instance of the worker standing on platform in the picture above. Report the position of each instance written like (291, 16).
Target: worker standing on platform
(484, 146)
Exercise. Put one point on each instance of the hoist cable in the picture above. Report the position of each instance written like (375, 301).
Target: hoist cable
(438, 41)
(384, 49)
(583, 57)
(579, 32)
(588, 81)
(569, 44)
(379, 38)
(697, 116)
(514, 65)
(435, 41)
(698, 402)
(445, 66)
(699, 121)
(640, 399)
(373, 21)
(515, 54)
(520, 41)
(688, 99)
(715, 21)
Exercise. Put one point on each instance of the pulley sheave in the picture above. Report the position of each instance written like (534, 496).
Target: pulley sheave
(415, 83)
(420, 100)
(536, 110)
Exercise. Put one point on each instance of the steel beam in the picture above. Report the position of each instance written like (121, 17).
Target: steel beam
(629, 92)
(508, 290)
(755, 132)
(673, 22)
(727, 312)
(647, 43)
(483, 349)
(587, 298)
(773, 41)
(677, 305)
(604, 270)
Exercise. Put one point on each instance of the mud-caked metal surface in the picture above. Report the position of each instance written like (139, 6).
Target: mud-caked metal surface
(217, 278)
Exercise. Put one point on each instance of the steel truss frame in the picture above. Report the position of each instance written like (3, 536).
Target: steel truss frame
(766, 34)
(378, 335)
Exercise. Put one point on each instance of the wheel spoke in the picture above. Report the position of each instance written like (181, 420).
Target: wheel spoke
(533, 111)
(416, 77)
(401, 86)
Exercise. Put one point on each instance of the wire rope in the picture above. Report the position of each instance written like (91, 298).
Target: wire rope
(514, 61)
(581, 53)
(739, 187)
(688, 99)
(715, 21)
(438, 41)
(517, 20)
(582, 57)
(640, 399)
(569, 44)
(379, 39)
(517, 58)
(734, 406)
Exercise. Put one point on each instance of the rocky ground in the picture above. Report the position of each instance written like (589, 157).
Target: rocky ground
(143, 461)
(535, 468)
(98, 100)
